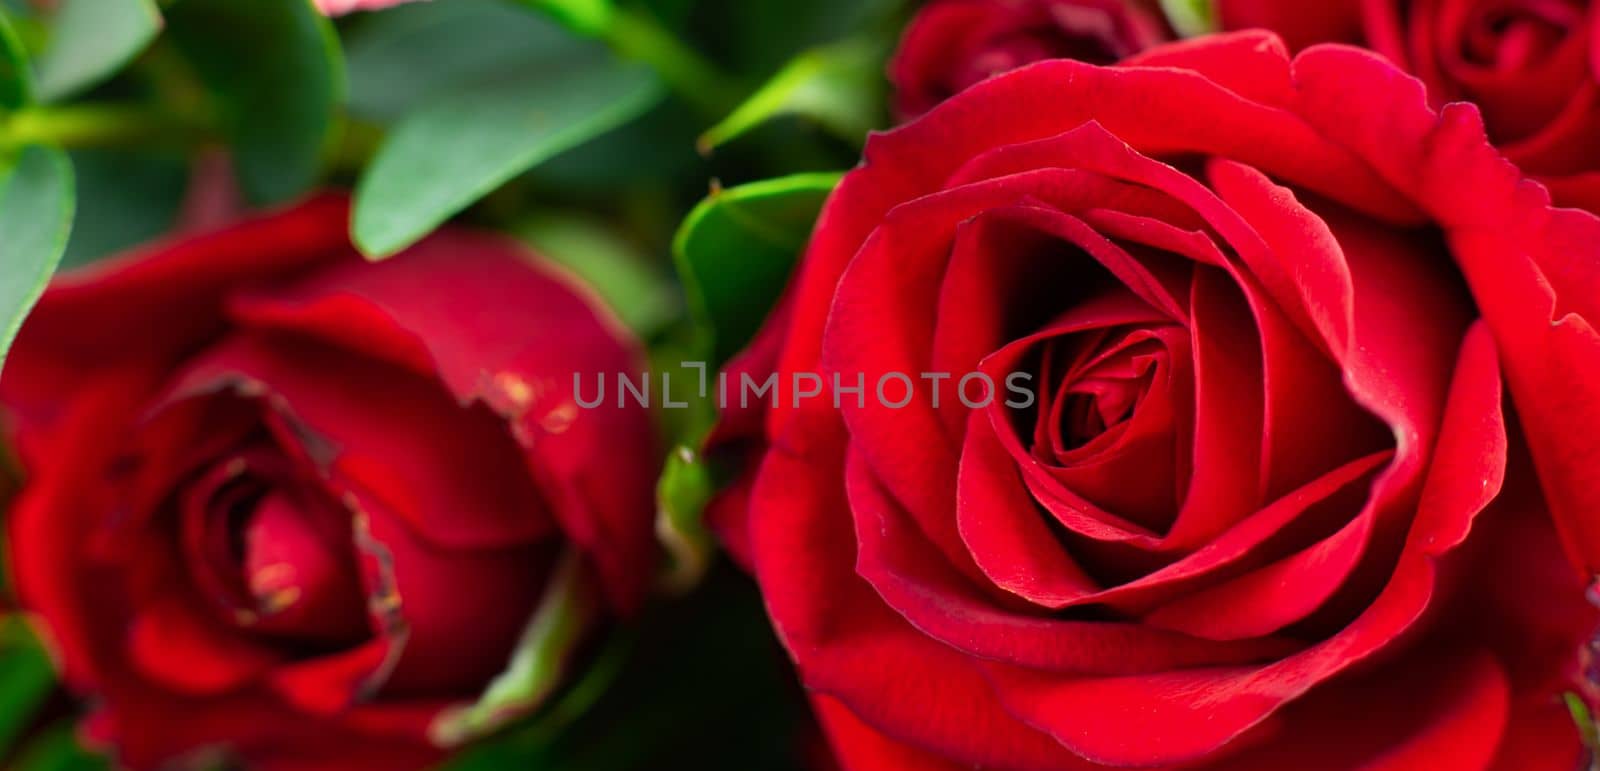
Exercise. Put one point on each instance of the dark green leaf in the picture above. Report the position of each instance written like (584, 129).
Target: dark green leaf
(16, 77)
(735, 250)
(57, 749)
(841, 87)
(413, 54)
(124, 199)
(36, 204)
(651, 154)
(449, 154)
(759, 36)
(278, 77)
(91, 40)
(26, 678)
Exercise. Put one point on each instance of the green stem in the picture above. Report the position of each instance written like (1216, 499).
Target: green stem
(93, 125)
(637, 35)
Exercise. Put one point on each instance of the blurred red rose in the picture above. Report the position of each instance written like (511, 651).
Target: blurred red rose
(1531, 66)
(1271, 506)
(951, 44)
(291, 504)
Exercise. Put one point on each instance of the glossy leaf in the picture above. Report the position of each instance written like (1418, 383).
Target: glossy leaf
(449, 154)
(36, 205)
(278, 78)
(16, 76)
(736, 249)
(841, 87)
(91, 40)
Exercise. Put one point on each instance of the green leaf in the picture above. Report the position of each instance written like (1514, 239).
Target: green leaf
(16, 76)
(57, 749)
(734, 253)
(449, 154)
(91, 40)
(681, 495)
(412, 54)
(629, 285)
(26, 678)
(1191, 18)
(36, 205)
(840, 86)
(125, 198)
(275, 70)
(586, 17)
(540, 663)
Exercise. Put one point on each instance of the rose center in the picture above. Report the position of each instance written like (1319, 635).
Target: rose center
(1514, 36)
(274, 555)
(1101, 380)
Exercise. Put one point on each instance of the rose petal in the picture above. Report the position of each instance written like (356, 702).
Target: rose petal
(513, 333)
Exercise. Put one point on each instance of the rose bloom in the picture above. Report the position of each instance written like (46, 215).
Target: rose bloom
(951, 44)
(1531, 66)
(1314, 371)
(291, 505)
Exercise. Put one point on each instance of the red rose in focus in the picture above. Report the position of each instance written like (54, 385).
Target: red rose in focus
(1531, 66)
(952, 44)
(1302, 352)
(291, 504)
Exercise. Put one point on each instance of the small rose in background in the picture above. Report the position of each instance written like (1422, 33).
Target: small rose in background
(339, 7)
(294, 507)
(952, 44)
(1531, 66)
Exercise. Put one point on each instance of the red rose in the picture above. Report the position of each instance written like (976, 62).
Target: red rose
(1271, 506)
(951, 44)
(1531, 66)
(291, 504)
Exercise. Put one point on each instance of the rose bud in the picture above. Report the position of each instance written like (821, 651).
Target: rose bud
(1308, 458)
(951, 44)
(1531, 66)
(299, 508)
